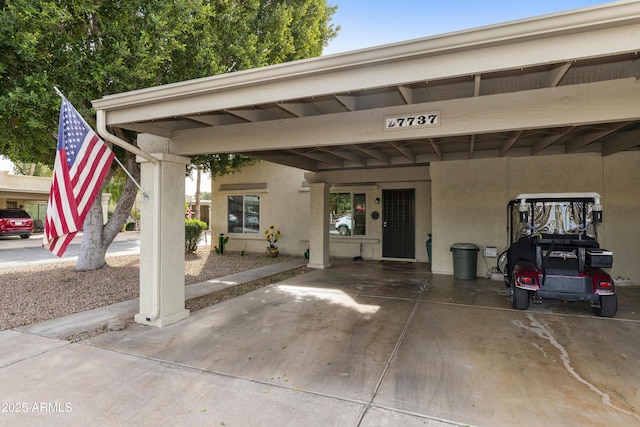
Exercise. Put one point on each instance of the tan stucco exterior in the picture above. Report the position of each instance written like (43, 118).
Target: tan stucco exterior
(23, 190)
(461, 201)
(284, 203)
(470, 199)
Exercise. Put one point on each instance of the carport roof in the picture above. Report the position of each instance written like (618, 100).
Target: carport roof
(560, 83)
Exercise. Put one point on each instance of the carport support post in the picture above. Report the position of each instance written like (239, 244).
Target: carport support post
(162, 294)
(319, 225)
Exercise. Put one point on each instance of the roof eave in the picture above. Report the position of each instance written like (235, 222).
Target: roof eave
(570, 22)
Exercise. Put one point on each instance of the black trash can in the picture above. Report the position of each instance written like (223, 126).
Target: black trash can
(465, 260)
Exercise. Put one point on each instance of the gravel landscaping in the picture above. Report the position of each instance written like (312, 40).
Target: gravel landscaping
(32, 294)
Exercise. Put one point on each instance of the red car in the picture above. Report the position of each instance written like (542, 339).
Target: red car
(15, 222)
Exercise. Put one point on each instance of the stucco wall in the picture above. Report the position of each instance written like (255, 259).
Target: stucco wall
(470, 200)
(621, 212)
(23, 189)
(283, 204)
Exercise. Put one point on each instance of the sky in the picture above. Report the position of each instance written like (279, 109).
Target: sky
(368, 23)
(5, 164)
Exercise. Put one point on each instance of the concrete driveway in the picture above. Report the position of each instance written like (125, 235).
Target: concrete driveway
(359, 344)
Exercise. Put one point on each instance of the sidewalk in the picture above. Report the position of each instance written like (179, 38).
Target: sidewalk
(113, 316)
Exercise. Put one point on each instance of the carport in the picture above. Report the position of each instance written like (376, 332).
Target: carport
(359, 344)
(561, 84)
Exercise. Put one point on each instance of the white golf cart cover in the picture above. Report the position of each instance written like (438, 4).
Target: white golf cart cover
(558, 213)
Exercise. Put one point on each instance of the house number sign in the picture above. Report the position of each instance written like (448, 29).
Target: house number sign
(412, 121)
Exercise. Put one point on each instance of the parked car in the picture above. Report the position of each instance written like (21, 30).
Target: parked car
(554, 252)
(343, 225)
(15, 222)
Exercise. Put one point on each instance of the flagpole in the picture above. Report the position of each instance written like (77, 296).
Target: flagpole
(146, 197)
(58, 92)
(134, 181)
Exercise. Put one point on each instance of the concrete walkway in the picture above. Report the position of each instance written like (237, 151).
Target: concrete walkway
(115, 314)
(358, 344)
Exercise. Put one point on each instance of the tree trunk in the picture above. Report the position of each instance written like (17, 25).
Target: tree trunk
(97, 237)
(197, 207)
(92, 250)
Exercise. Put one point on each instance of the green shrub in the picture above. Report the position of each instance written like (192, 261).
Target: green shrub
(192, 232)
(131, 226)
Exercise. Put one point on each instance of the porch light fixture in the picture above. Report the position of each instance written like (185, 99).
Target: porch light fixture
(377, 200)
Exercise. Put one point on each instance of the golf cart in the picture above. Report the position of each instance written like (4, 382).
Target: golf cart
(554, 253)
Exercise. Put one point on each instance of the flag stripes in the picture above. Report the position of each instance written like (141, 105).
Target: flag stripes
(82, 162)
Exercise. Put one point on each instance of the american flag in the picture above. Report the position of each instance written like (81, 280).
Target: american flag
(82, 162)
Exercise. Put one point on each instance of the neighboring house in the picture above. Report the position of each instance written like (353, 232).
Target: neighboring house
(32, 194)
(29, 192)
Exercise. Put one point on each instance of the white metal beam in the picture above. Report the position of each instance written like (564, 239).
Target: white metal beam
(298, 109)
(558, 73)
(348, 101)
(347, 155)
(408, 154)
(544, 143)
(372, 152)
(620, 142)
(508, 144)
(551, 107)
(406, 93)
(320, 157)
(472, 145)
(436, 148)
(584, 140)
(587, 33)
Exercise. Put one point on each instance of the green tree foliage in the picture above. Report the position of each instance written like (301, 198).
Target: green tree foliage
(93, 48)
(32, 169)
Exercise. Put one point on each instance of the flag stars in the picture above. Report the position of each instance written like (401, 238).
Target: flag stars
(74, 131)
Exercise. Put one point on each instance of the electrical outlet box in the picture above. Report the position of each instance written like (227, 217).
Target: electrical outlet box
(491, 252)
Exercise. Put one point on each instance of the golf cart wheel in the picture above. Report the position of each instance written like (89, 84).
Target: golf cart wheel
(608, 306)
(519, 298)
(501, 265)
(24, 236)
(343, 230)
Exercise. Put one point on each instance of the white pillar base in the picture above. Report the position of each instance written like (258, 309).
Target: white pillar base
(319, 266)
(161, 321)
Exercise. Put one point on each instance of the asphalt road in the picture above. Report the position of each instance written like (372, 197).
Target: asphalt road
(16, 252)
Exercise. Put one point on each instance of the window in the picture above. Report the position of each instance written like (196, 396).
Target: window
(244, 214)
(347, 213)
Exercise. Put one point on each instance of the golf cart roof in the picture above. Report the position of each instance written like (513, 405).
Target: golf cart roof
(588, 196)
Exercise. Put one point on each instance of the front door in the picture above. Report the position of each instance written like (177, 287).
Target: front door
(398, 222)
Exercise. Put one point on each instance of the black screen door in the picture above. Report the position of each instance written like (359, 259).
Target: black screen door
(398, 222)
